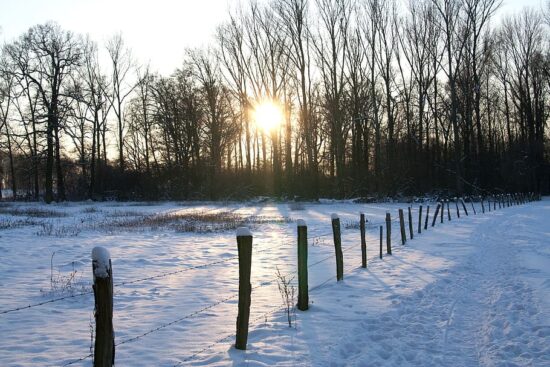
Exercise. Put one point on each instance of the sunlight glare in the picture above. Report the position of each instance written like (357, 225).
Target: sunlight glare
(268, 116)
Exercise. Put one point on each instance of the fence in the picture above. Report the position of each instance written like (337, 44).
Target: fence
(105, 345)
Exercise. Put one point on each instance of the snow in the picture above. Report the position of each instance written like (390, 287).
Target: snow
(101, 259)
(243, 232)
(301, 223)
(471, 292)
(334, 216)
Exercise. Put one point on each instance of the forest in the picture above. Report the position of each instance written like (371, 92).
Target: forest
(357, 98)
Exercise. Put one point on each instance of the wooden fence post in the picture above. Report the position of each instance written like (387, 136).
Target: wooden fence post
(448, 212)
(402, 225)
(388, 233)
(482, 206)
(363, 241)
(489, 204)
(427, 217)
(420, 219)
(411, 223)
(442, 209)
(303, 293)
(464, 206)
(104, 350)
(495, 204)
(457, 210)
(381, 236)
(473, 207)
(436, 212)
(244, 246)
(337, 246)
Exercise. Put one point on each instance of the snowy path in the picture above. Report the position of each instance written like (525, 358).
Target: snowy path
(476, 313)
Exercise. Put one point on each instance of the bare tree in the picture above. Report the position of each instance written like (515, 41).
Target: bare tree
(47, 55)
(331, 47)
(455, 36)
(121, 63)
(7, 83)
(295, 25)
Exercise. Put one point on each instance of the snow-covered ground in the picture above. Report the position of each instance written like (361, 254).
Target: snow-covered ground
(473, 291)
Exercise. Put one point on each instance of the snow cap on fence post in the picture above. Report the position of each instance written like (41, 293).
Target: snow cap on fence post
(334, 216)
(243, 232)
(101, 261)
(301, 223)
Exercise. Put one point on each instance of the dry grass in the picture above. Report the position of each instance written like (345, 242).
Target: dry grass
(190, 222)
(6, 223)
(90, 210)
(125, 213)
(48, 229)
(352, 224)
(31, 212)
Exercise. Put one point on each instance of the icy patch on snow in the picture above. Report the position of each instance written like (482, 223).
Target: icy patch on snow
(100, 259)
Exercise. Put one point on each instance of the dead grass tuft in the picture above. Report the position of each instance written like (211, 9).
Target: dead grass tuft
(191, 222)
(48, 229)
(6, 223)
(32, 212)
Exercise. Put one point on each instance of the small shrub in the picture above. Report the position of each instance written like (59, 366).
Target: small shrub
(65, 283)
(288, 293)
(318, 241)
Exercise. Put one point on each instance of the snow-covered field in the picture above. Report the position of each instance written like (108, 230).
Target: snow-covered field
(473, 291)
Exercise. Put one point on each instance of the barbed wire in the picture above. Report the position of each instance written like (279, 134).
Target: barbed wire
(46, 302)
(165, 325)
(229, 336)
(157, 276)
(77, 360)
(273, 310)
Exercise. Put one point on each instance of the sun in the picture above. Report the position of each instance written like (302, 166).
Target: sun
(268, 116)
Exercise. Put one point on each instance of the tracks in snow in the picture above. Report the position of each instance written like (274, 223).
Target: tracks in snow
(479, 312)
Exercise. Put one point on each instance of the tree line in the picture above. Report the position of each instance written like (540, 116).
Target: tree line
(378, 98)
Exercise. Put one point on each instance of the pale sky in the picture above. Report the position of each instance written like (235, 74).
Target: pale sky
(158, 31)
